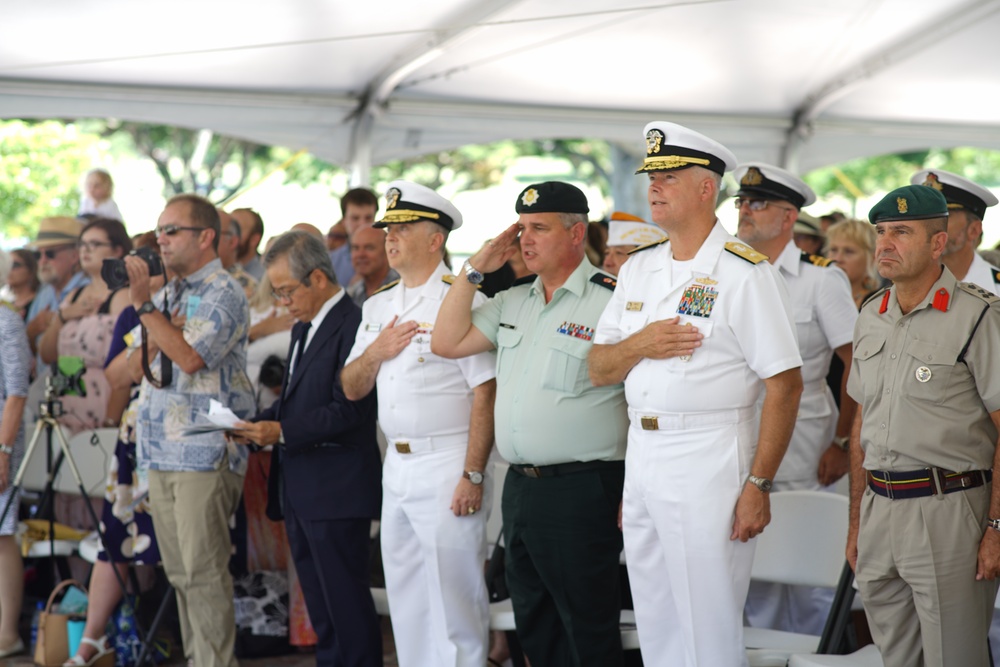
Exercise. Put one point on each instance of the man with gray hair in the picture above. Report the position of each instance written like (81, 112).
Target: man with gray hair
(325, 470)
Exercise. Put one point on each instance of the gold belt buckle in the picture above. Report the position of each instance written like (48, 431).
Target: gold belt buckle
(650, 424)
(403, 447)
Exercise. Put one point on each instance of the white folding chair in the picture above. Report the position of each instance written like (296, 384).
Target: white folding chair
(804, 546)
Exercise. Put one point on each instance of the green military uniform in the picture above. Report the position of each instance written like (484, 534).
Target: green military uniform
(927, 382)
(560, 529)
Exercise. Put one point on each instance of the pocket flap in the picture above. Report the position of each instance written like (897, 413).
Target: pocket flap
(933, 353)
(868, 346)
(508, 337)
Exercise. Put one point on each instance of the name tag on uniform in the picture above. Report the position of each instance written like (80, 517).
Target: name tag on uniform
(373, 327)
(504, 325)
(634, 306)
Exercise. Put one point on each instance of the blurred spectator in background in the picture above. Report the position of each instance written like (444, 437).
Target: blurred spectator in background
(597, 242)
(852, 248)
(357, 209)
(336, 237)
(830, 219)
(370, 263)
(84, 322)
(808, 235)
(55, 250)
(229, 246)
(627, 232)
(96, 198)
(251, 232)
(22, 281)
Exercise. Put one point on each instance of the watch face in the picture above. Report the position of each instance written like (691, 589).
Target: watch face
(475, 477)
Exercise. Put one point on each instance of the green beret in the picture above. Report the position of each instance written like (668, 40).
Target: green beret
(552, 197)
(913, 202)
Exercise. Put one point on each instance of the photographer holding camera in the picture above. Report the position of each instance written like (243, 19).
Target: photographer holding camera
(195, 481)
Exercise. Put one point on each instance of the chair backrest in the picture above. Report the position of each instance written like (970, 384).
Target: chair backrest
(804, 543)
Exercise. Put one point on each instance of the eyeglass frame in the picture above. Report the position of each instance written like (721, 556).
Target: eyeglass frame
(171, 230)
(50, 253)
(93, 245)
(286, 295)
(757, 204)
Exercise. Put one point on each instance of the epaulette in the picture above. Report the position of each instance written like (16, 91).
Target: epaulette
(872, 296)
(649, 245)
(744, 251)
(526, 280)
(448, 278)
(976, 290)
(385, 287)
(604, 280)
(996, 276)
(816, 260)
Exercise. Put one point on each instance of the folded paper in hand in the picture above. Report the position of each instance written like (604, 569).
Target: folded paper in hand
(220, 418)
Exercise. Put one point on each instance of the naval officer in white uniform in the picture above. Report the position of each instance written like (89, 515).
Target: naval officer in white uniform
(697, 328)
(437, 416)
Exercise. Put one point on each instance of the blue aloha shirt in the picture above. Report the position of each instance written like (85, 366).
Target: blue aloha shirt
(217, 326)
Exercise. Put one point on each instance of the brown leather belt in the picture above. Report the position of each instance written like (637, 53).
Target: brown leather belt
(925, 482)
(560, 469)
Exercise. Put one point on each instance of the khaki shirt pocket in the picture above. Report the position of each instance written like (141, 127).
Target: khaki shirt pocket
(566, 365)
(507, 342)
(868, 356)
(927, 371)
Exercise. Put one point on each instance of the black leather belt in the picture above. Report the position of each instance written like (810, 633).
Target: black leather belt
(560, 469)
(926, 482)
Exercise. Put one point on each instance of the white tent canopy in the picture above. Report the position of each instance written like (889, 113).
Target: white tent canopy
(802, 83)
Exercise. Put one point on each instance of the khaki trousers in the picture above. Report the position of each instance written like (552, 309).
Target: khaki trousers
(917, 575)
(191, 512)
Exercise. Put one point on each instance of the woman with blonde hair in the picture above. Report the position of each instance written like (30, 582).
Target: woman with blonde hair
(852, 248)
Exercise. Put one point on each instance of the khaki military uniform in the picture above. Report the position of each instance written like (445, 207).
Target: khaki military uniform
(927, 382)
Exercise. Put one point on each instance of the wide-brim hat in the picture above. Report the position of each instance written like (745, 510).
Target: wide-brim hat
(911, 202)
(766, 181)
(56, 231)
(807, 224)
(958, 191)
(627, 229)
(671, 146)
(411, 202)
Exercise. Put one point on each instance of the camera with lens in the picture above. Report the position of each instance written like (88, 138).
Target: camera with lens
(116, 275)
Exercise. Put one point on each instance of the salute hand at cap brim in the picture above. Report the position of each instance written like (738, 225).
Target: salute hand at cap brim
(497, 250)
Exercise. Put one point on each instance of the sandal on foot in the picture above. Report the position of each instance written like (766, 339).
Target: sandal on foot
(13, 649)
(102, 650)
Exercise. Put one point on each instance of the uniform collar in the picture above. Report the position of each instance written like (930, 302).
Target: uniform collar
(707, 257)
(939, 296)
(790, 259)
(575, 283)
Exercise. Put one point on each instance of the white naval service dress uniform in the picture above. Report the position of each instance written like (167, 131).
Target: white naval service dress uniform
(984, 274)
(433, 560)
(824, 314)
(682, 480)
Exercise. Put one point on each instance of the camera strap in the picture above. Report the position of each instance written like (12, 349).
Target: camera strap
(166, 364)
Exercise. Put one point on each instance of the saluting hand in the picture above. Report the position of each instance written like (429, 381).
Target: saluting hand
(497, 250)
(391, 341)
(664, 339)
(753, 513)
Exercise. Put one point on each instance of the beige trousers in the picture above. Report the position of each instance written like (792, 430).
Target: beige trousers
(191, 512)
(917, 575)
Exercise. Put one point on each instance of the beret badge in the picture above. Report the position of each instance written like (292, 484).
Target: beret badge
(529, 197)
(901, 204)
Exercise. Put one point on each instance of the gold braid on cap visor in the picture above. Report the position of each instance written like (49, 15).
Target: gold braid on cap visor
(402, 215)
(671, 162)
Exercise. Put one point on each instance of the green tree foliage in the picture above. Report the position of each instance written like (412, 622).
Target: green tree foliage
(41, 167)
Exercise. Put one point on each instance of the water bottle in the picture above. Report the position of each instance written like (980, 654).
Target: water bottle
(39, 608)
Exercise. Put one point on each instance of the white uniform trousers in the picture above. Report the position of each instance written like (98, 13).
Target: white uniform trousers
(689, 580)
(433, 561)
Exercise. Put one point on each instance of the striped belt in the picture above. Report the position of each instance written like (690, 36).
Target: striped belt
(926, 482)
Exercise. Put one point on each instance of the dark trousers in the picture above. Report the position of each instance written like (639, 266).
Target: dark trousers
(331, 559)
(562, 549)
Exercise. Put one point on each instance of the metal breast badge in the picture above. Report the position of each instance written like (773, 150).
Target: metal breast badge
(923, 374)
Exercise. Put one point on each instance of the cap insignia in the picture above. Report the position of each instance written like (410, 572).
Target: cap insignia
(932, 182)
(901, 204)
(654, 138)
(752, 177)
(529, 197)
(392, 197)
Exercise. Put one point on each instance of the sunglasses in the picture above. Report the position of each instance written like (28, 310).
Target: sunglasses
(171, 230)
(50, 253)
(755, 204)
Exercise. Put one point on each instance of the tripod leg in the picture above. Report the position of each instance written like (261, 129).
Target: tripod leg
(19, 477)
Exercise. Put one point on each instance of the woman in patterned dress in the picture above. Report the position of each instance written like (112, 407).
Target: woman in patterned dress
(15, 365)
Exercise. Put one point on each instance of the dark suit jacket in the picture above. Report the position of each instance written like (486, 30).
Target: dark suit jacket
(330, 463)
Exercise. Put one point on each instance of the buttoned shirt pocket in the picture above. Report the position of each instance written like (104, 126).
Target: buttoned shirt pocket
(566, 365)
(928, 370)
(508, 341)
(868, 355)
(632, 322)
(806, 327)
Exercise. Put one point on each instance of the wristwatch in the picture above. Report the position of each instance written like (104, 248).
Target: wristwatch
(994, 524)
(9, 451)
(145, 308)
(473, 276)
(474, 476)
(761, 483)
(842, 442)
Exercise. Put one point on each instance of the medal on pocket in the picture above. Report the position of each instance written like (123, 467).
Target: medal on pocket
(923, 374)
(698, 300)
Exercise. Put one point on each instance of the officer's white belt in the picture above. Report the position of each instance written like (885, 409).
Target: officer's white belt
(677, 421)
(419, 445)
(814, 387)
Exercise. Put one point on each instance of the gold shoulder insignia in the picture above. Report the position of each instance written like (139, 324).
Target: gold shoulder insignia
(816, 260)
(976, 290)
(385, 287)
(871, 296)
(743, 251)
(996, 276)
(649, 245)
(448, 278)
(604, 280)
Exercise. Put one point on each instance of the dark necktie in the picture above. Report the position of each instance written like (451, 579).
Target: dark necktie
(300, 346)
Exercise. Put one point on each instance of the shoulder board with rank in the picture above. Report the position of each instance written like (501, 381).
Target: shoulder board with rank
(996, 275)
(743, 251)
(976, 290)
(816, 260)
(649, 245)
(385, 287)
(526, 280)
(871, 296)
(448, 278)
(604, 280)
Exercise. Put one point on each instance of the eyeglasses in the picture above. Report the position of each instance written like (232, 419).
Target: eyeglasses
(285, 295)
(171, 230)
(50, 253)
(757, 204)
(92, 245)
(337, 237)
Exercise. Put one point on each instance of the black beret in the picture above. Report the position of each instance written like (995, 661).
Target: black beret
(552, 197)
